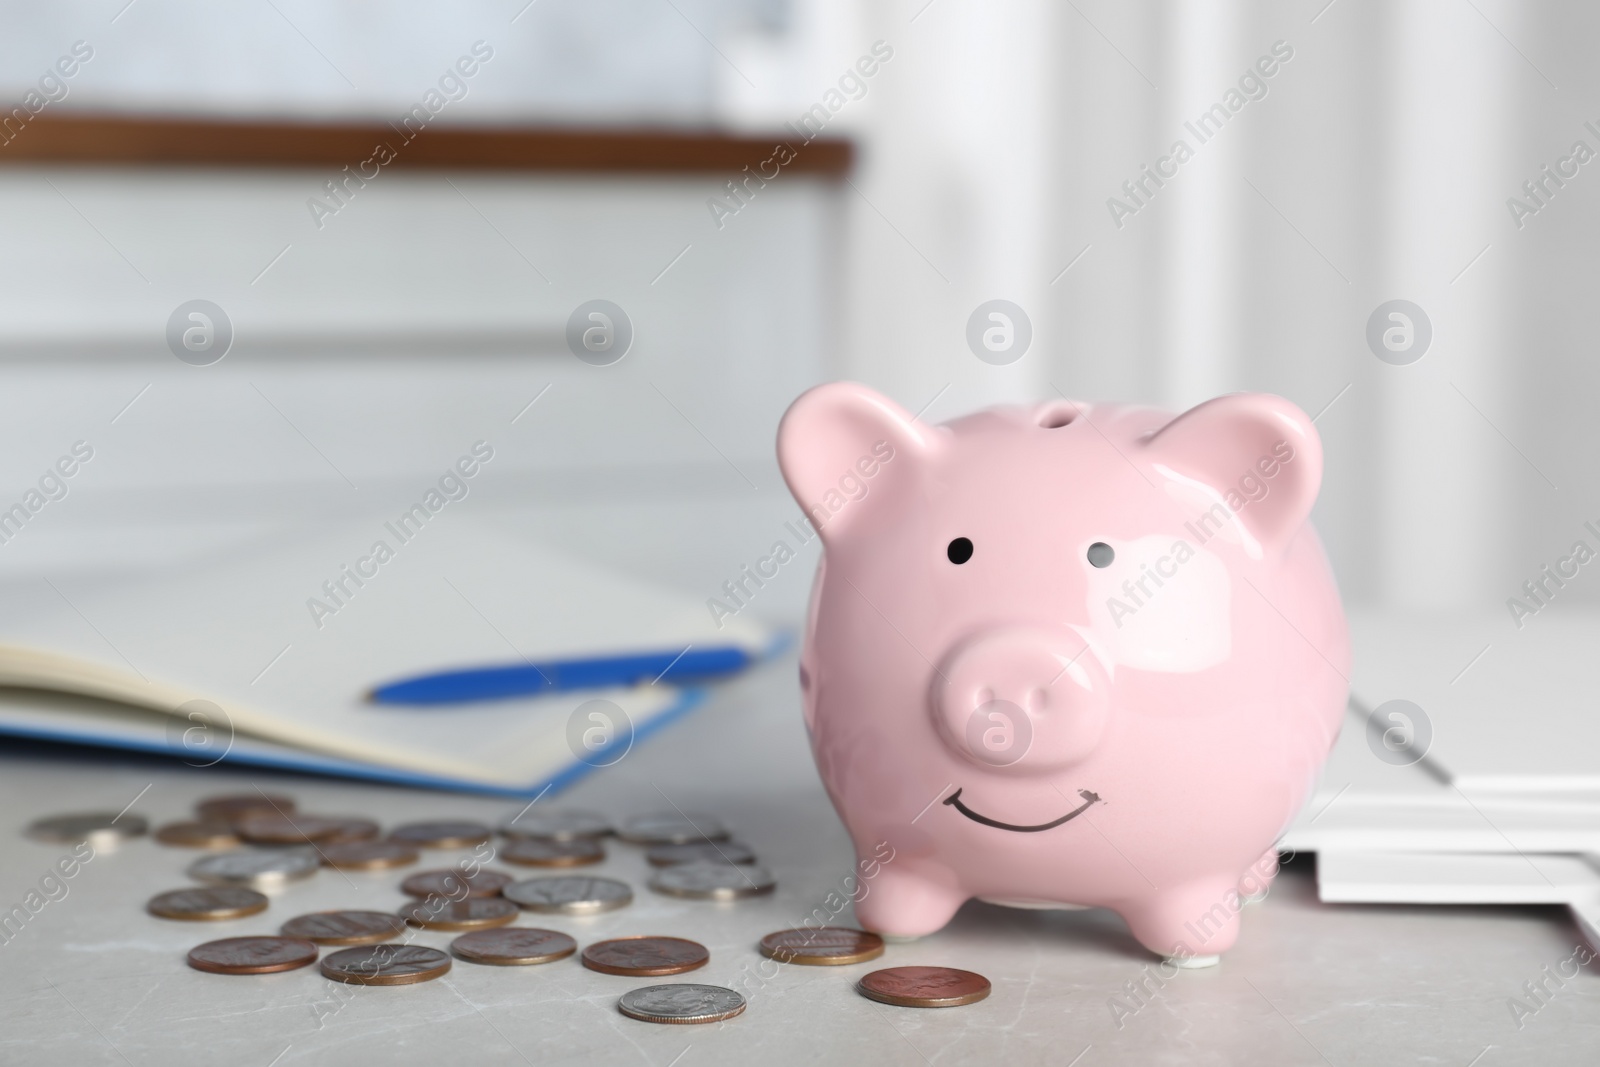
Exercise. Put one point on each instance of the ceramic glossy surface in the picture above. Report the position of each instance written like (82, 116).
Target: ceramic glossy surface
(1071, 653)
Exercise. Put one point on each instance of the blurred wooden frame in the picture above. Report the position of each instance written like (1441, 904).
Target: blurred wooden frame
(113, 140)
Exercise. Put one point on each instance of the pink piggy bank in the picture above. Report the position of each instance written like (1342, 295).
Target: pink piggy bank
(1067, 654)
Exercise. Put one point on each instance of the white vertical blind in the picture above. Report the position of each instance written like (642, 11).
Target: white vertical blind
(1376, 166)
(1445, 468)
(1200, 238)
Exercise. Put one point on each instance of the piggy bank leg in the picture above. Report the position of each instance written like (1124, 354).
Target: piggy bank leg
(903, 905)
(1191, 925)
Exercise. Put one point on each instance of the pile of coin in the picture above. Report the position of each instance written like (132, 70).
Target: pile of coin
(264, 843)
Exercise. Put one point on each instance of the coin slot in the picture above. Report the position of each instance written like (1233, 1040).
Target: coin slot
(1057, 416)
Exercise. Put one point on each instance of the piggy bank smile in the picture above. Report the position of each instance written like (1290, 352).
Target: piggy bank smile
(1032, 600)
(1089, 799)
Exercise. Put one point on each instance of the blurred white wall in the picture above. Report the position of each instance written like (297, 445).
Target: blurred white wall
(1375, 165)
(601, 61)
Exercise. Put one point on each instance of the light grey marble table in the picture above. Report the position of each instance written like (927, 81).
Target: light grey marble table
(92, 979)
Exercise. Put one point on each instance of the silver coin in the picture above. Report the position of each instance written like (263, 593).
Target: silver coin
(700, 851)
(672, 828)
(104, 830)
(713, 881)
(556, 824)
(266, 868)
(681, 1002)
(569, 894)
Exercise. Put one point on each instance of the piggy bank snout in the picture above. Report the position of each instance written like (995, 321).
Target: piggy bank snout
(1021, 699)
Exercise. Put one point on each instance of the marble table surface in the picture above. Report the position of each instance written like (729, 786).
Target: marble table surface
(92, 979)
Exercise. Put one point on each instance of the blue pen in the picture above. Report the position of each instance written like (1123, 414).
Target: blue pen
(683, 667)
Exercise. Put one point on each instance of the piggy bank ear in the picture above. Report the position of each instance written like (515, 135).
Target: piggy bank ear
(845, 450)
(1257, 453)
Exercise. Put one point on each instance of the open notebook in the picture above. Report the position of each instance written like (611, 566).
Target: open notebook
(257, 634)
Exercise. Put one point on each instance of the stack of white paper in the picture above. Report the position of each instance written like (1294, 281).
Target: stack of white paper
(1503, 807)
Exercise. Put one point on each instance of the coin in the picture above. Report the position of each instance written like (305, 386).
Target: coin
(252, 955)
(672, 828)
(569, 894)
(276, 828)
(690, 852)
(474, 913)
(455, 883)
(923, 987)
(345, 927)
(513, 946)
(230, 807)
(444, 833)
(104, 830)
(207, 905)
(824, 946)
(556, 824)
(350, 828)
(712, 881)
(368, 855)
(354, 828)
(538, 852)
(681, 1002)
(279, 828)
(385, 965)
(645, 957)
(256, 868)
(194, 833)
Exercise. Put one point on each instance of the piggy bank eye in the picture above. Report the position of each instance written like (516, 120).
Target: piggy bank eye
(1101, 554)
(959, 550)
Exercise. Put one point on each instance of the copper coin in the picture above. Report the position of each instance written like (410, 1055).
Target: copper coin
(274, 828)
(351, 828)
(536, 852)
(672, 828)
(474, 913)
(923, 987)
(345, 927)
(194, 833)
(281, 828)
(681, 1002)
(699, 851)
(824, 946)
(443, 833)
(644, 957)
(385, 965)
(228, 808)
(556, 824)
(513, 946)
(455, 884)
(368, 855)
(207, 905)
(252, 955)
